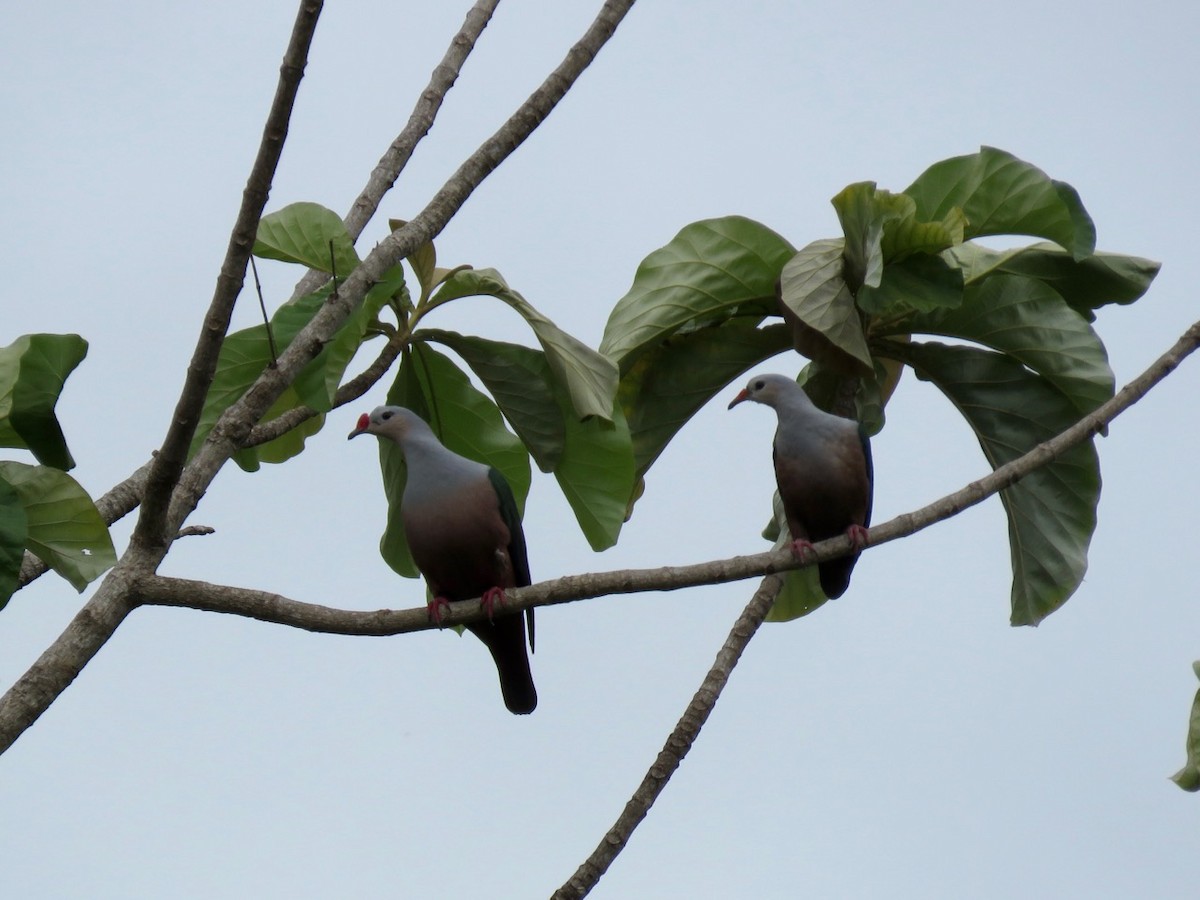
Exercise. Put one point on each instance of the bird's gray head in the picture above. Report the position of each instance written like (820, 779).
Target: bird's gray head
(387, 421)
(767, 389)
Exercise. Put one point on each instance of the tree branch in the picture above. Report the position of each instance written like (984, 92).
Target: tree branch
(678, 743)
(151, 536)
(235, 424)
(271, 607)
(33, 693)
(396, 157)
(124, 498)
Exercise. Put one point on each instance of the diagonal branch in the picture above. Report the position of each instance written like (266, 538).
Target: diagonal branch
(396, 157)
(677, 745)
(124, 497)
(271, 607)
(151, 533)
(95, 623)
(234, 426)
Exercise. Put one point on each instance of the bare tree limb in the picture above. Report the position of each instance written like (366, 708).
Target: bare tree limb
(677, 745)
(271, 607)
(393, 161)
(124, 498)
(53, 672)
(152, 533)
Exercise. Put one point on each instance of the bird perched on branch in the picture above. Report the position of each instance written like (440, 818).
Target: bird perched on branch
(824, 473)
(464, 533)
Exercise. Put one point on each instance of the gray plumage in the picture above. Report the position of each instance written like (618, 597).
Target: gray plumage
(823, 471)
(464, 533)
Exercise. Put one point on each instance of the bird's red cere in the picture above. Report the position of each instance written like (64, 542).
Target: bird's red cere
(363, 421)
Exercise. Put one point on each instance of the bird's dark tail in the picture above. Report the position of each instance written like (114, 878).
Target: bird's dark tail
(835, 575)
(505, 639)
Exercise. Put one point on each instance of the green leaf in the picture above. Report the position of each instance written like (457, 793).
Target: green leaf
(668, 383)
(464, 420)
(1052, 511)
(709, 272)
(309, 234)
(920, 282)
(33, 369)
(596, 473)
(1086, 285)
(589, 378)
(863, 211)
(801, 593)
(818, 304)
(65, 530)
(1000, 194)
(1188, 777)
(423, 261)
(905, 236)
(521, 383)
(1031, 323)
(245, 354)
(14, 531)
(317, 384)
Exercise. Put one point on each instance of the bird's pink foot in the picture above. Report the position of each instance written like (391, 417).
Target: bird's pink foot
(858, 536)
(438, 606)
(802, 549)
(492, 597)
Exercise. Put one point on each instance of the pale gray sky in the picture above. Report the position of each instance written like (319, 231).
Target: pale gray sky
(903, 742)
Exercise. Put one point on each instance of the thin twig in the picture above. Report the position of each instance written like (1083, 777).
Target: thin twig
(262, 305)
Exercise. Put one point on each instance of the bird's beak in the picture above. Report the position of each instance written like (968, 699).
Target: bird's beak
(743, 394)
(364, 422)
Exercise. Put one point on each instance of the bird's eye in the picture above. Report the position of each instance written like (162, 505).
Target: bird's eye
(386, 415)
(759, 385)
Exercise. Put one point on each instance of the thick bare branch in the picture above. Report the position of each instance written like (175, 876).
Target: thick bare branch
(40, 686)
(271, 607)
(152, 536)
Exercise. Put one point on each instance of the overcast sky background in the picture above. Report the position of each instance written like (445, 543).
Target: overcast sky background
(902, 742)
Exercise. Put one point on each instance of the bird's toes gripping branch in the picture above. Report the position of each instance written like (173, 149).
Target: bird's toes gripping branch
(858, 536)
(492, 598)
(802, 549)
(437, 608)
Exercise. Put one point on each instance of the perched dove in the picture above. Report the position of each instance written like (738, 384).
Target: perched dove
(464, 532)
(823, 470)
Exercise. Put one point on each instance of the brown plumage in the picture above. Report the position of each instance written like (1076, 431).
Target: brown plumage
(823, 471)
(464, 533)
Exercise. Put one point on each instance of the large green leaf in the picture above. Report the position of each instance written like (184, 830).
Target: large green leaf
(1031, 323)
(589, 378)
(65, 530)
(245, 354)
(1188, 777)
(464, 420)
(33, 369)
(309, 234)
(863, 210)
(521, 383)
(1000, 194)
(801, 593)
(596, 473)
(670, 382)
(1052, 511)
(919, 282)
(710, 271)
(816, 301)
(1086, 285)
(14, 531)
